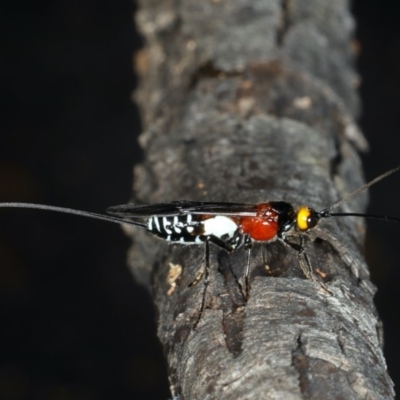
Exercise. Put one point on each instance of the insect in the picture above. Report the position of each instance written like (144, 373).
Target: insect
(229, 226)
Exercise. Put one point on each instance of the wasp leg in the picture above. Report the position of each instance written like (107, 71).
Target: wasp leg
(206, 273)
(226, 245)
(305, 267)
(305, 263)
(237, 241)
(218, 242)
(265, 259)
(247, 246)
(264, 256)
(229, 246)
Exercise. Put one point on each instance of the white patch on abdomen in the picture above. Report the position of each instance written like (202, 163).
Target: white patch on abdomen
(219, 226)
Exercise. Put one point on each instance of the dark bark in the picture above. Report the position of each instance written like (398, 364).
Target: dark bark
(250, 101)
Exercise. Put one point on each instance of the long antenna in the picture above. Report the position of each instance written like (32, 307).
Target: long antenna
(326, 211)
(87, 214)
(371, 216)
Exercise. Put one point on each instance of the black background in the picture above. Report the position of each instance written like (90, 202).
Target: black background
(73, 323)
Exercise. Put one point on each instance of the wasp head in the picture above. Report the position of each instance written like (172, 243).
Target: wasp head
(306, 218)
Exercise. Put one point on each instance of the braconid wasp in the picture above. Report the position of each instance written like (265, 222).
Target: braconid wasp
(229, 226)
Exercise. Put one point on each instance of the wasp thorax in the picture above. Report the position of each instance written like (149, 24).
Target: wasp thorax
(306, 218)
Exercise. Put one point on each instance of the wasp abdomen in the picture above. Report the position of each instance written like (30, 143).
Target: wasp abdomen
(177, 228)
(191, 229)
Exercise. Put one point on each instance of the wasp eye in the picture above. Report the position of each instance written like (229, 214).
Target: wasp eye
(306, 218)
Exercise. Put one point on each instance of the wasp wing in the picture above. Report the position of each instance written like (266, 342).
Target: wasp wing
(220, 208)
(183, 207)
(148, 210)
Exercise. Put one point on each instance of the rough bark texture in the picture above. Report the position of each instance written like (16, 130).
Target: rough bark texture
(250, 101)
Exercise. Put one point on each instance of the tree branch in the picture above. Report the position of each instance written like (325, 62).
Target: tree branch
(249, 102)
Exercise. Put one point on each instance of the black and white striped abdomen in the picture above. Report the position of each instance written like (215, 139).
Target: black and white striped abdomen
(190, 229)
